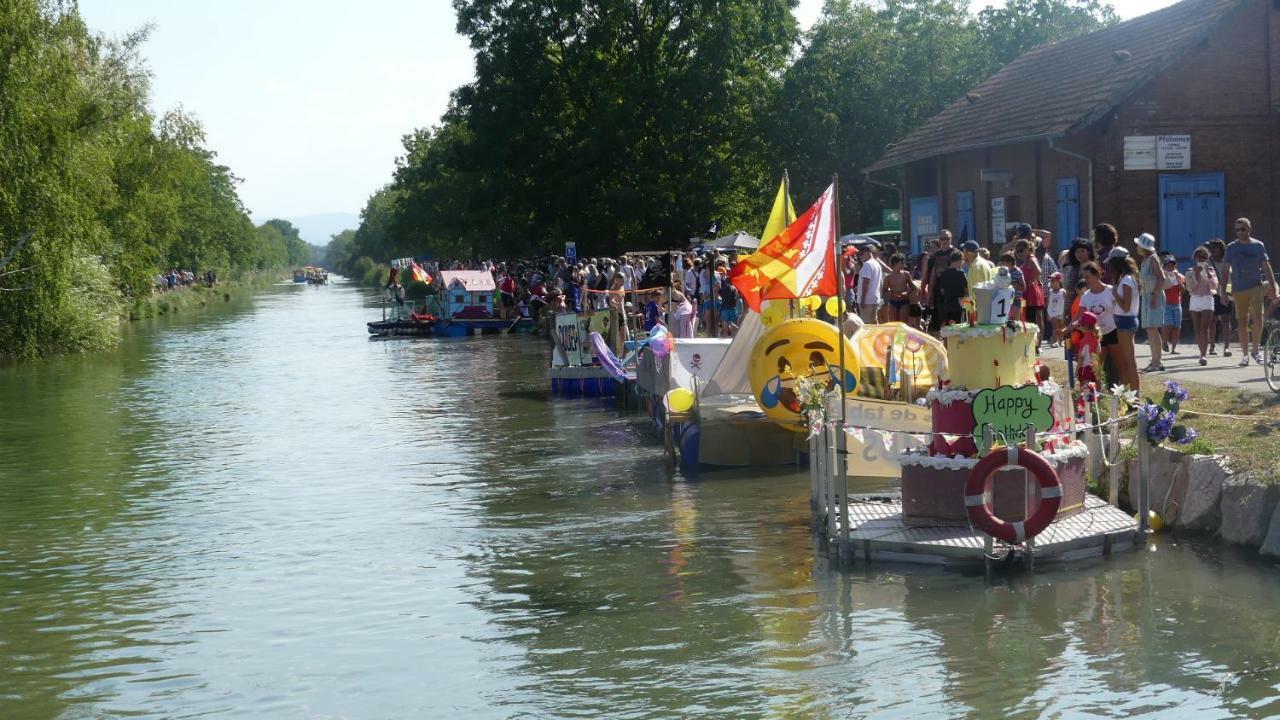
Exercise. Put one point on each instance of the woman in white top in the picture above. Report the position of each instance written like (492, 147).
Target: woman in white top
(1202, 284)
(1125, 292)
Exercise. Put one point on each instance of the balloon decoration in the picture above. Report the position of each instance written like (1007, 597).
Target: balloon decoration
(774, 312)
(811, 303)
(833, 307)
(790, 351)
(660, 341)
(679, 400)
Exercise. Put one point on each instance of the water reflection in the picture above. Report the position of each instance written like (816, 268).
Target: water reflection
(257, 511)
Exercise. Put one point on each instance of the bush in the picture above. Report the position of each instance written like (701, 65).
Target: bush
(88, 317)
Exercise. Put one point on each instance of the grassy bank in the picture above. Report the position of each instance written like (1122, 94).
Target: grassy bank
(199, 296)
(1240, 423)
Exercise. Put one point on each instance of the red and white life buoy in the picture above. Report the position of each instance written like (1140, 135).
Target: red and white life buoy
(980, 513)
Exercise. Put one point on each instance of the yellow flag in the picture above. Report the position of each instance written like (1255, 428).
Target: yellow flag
(781, 216)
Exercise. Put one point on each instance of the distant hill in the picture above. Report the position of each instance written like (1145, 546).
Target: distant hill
(319, 229)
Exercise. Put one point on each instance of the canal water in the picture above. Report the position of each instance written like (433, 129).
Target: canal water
(256, 511)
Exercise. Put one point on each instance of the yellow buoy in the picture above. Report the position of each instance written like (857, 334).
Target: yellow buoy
(1154, 521)
(679, 400)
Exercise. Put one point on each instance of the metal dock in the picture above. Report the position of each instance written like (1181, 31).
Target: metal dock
(877, 533)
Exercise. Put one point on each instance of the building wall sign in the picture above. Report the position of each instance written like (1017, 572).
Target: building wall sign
(1173, 152)
(1157, 152)
(1139, 152)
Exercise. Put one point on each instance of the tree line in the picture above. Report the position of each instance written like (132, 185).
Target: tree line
(99, 194)
(624, 125)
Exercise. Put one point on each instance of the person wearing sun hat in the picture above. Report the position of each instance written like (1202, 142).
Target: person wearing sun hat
(1151, 289)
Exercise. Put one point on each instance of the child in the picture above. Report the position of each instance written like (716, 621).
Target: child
(899, 289)
(1081, 288)
(652, 312)
(1056, 307)
(1173, 282)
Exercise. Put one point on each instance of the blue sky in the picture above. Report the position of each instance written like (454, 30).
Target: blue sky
(307, 100)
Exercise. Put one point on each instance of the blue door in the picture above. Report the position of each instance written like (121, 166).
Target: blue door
(1192, 211)
(1068, 211)
(965, 229)
(924, 220)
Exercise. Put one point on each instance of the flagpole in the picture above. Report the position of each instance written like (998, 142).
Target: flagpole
(842, 445)
(787, 212)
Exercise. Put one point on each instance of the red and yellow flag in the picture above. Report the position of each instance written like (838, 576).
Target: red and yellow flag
(798, 262)
(419, 274)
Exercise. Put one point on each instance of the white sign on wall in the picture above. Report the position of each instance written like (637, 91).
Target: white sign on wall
(1139, 152)
(1173, 152)
(1157, 152)
(997, 221)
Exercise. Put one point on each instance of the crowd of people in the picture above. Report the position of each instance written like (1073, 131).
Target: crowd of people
(1094, 284)
(1115, 291)
(176, 279)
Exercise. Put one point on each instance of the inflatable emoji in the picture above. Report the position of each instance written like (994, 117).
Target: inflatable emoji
(794, 349)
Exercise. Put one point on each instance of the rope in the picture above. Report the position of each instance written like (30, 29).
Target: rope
(623, 292)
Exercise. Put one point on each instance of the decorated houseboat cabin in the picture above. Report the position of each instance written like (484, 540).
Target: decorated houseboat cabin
(468, 294)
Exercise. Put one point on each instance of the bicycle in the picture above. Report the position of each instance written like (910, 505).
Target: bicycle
(1271, 354)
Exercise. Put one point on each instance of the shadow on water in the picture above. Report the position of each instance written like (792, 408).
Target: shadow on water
(256, 511)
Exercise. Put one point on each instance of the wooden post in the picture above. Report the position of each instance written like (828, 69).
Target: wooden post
(1110, 457)
(813, 481)
(1144, 476)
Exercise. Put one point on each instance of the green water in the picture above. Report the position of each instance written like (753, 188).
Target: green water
(258, 512)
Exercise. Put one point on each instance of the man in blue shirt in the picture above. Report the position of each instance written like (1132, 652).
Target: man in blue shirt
(1247, 262)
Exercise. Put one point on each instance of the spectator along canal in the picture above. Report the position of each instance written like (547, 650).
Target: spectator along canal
(257, 511)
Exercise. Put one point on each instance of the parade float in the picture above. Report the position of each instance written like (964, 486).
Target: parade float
(999, 472)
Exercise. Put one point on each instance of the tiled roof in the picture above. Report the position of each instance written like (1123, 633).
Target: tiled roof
(1060, 88)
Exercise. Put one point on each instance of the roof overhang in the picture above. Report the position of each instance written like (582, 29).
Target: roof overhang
(890, 163)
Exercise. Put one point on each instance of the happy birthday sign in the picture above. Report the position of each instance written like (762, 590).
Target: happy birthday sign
(1008, 410)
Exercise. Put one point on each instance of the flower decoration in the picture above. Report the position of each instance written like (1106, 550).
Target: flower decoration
(1162, 417)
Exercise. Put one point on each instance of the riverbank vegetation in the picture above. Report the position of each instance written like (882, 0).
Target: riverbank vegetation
(100, 193)
(625, 126)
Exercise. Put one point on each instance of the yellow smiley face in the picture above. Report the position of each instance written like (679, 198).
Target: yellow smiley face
(794, 349)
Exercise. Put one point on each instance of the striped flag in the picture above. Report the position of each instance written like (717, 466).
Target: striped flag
(798, 262)
(418, 273)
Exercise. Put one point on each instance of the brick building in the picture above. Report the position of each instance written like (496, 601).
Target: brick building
(1166, 123)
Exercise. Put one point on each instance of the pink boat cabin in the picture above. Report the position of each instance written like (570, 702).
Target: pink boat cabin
(468, 294)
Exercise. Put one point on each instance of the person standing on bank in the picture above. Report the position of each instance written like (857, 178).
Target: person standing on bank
(1151, 284)
(1173, 284)
(1202, 285)
(939, 260)
(1247, 262)
(1223, 308)
(1125, 292)
(1033, 298)
(870, 279)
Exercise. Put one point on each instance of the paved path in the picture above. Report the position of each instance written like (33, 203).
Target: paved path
(1225, 372)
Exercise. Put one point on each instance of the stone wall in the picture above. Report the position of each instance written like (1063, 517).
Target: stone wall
(1202, 493)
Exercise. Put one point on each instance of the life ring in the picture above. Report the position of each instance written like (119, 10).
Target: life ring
(980, 513)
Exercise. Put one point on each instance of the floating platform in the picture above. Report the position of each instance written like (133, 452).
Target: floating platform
(584, 381)
(877, 532)
(464, 327)
(401, 328)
